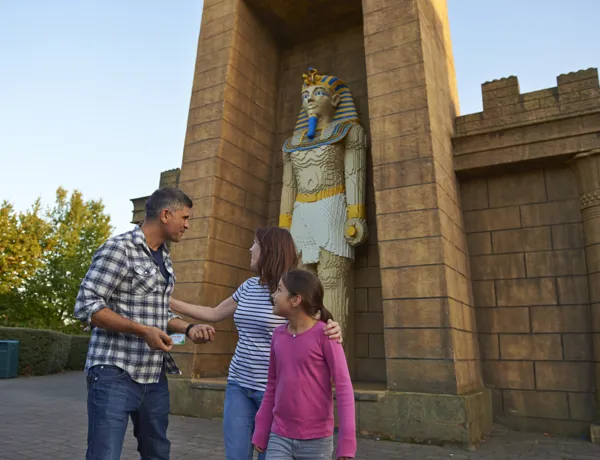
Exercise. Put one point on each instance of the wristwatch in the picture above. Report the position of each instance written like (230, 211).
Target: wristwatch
(187, 330)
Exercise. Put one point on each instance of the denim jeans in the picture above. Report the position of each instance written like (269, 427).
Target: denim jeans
(241, 406)
(281, 448)
(112, 398)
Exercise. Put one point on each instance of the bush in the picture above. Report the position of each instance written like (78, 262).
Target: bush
(40, 352)
(78, 352)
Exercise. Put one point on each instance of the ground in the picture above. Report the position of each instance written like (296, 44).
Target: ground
(45, 418)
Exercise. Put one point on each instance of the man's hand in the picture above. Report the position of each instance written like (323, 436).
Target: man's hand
(334, 331)
(156, 338)
(202, 333)
(258, 449)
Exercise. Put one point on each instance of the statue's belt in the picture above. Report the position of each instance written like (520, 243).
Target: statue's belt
(320, 195)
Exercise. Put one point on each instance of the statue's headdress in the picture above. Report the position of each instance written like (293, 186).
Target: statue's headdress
(345, 111)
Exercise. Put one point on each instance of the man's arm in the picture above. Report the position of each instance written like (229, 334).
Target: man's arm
(356, 172)
(200, 333)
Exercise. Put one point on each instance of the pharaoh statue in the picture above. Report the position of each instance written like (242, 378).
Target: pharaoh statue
(323, 195)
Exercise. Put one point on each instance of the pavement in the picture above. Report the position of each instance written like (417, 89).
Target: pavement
(44, 418)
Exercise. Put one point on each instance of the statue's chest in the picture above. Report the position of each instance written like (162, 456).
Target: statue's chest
(322, 154)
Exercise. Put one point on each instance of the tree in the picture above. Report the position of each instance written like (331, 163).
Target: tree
(74, 230)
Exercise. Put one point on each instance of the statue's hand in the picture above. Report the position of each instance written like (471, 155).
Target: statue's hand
(356, 231)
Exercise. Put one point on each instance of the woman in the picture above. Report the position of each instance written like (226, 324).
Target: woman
(272, 254)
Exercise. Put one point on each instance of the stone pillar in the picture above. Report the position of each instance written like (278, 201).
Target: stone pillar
(587, 171)
(431, 345)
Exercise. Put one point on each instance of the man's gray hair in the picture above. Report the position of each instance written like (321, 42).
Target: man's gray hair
(172, 199)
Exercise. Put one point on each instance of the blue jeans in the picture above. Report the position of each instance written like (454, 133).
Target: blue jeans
(281, 448)
(241, 406)
(112, 398)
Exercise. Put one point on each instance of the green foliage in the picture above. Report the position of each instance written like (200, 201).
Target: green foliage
(78, 352)
(40, 352)
(44, 258)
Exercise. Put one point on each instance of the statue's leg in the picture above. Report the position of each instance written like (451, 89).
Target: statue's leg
(308, 267)
(333, 271)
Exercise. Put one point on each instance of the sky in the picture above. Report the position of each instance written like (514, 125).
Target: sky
(94, 94)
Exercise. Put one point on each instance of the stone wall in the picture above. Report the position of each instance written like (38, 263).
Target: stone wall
(342, 55)
(527, 246)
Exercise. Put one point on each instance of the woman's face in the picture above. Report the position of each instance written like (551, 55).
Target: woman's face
(254, 255)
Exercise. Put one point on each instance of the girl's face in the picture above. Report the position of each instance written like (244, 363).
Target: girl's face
(284, 303)
(254, 255)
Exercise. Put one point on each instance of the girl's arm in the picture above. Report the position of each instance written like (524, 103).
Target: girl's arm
(209, 314)
(336, 360)
(264, 417)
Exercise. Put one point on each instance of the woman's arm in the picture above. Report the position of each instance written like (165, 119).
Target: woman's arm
(338, 368)
(224, 310)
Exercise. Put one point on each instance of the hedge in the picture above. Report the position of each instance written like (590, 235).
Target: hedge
(46, 352)
(78, 352)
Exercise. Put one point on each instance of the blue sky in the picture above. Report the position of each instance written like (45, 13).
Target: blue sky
(94, 94)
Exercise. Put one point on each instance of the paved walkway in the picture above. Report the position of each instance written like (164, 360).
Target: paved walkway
(45, 418)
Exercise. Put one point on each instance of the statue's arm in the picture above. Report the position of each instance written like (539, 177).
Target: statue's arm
(288, 192)
(356, 172)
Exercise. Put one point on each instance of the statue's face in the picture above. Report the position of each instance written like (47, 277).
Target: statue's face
(318, 101)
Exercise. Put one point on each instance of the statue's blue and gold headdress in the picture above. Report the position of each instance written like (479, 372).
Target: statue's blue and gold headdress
(345, 111)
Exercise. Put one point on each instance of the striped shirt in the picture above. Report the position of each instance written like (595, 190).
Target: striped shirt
(255, 322)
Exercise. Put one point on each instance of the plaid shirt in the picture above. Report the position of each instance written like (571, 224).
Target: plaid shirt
(125, 278)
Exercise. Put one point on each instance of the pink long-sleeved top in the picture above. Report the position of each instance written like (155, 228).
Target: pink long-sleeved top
(298, 401)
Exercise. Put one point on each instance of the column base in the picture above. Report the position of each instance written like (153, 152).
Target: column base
(595, 433)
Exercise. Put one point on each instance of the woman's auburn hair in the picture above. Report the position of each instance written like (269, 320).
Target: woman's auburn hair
(277, 255)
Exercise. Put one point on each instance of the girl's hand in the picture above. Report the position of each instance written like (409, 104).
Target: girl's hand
(258, 449)
(333, 331)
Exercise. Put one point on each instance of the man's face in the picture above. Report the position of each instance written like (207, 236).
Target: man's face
(175, 223)
(318, 101)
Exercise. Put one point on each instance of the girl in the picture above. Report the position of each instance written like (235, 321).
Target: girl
(295, 419)
(272, 254)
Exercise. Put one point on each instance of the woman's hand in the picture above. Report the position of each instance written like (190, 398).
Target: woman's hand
(333, 331)
(258, 449)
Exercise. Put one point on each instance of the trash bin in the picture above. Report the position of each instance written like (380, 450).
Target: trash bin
(9, 358)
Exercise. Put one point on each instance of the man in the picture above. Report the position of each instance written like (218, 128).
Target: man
(125, 296)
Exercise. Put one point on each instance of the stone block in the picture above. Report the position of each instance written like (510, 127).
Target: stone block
(567, 236)
(376, 346)
(404, 199)
(415, 313)
(421, 375)
(509, 320)
(523, 188)
(414, 282)
(418, 343)
(401, 148)
(556, 263)
(498, 266)
(369, 370)
(196, 402)
(401, 253)
(578, 347)
(517, 375)
(399, 124)
(403, 174)
(522, 240)
(542, 404)
(375, 302)
(536, 347)
(369, 323)
(573, 290)
(361, 345)
(582, 406)
(595, 433)
(398, 102)
(367, 277)
(189, 250)
(492, 219)
(378, 18)
(561, 183)
(565, 376)
(574, 319)
(390, 59)
(489, 346)
(551, 213)
(484, 293)
(479, 243)
(523, 292)
(542, 425)
(216, 366)
(428, 418)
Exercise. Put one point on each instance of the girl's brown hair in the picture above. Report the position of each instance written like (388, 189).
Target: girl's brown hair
(277, 255)
(309, 288)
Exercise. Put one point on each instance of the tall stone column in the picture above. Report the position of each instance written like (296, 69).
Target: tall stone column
(587, 171)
